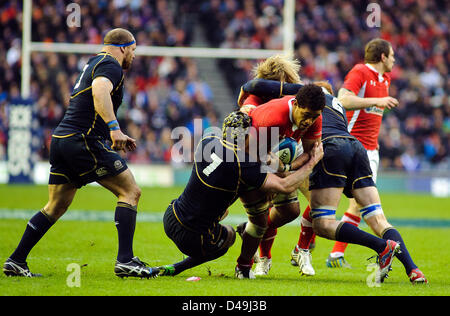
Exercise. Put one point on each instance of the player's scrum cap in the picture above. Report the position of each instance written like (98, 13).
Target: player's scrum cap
(236, 124)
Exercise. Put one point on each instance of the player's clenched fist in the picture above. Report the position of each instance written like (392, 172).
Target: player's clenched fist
(120, 141)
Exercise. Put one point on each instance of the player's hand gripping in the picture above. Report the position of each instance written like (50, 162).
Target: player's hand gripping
(120, 141)
(316, 154)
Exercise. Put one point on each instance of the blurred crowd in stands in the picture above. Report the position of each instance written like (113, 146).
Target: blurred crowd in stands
(164, 92)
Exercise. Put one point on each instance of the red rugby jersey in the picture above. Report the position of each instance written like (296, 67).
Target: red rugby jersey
(278, 113)
(364, 81)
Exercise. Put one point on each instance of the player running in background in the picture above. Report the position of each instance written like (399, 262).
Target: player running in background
(345, 168)
(223, 171)
(285, 207)
(365, 96)
(80, 154)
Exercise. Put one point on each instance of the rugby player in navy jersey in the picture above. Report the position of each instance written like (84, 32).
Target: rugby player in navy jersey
(84, 149)
(344, 169)
(224, 170)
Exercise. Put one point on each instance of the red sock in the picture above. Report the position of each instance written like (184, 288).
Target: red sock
(266, 244)
(244, 264)
(339, 247)
(307, 232)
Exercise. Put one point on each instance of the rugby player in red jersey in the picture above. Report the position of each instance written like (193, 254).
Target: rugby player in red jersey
(284, 69)
(298, 117)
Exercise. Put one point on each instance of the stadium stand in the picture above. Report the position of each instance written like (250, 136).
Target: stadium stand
(330, 39)
(165, 92)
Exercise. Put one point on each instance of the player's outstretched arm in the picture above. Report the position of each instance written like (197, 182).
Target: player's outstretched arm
(270, 89)
(294, 180)
(101, 92)
(351, 102)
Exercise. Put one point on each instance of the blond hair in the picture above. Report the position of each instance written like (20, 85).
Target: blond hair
(326, 85)
(280, 68)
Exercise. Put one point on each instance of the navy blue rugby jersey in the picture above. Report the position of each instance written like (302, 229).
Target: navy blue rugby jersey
(334, 119)
(219, 175)
(81, 116)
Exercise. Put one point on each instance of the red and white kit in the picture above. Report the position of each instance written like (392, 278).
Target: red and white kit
(278, 113)
(365, 82)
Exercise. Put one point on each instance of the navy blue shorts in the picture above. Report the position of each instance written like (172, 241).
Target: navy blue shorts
(82, 159)
(344, 165)
(193, 243)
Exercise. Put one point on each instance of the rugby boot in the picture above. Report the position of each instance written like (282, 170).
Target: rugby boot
(135, 268)
(337, 262)
(416, 276)
(385, 259)
(243, 273)
(12, 268)
(263, 266)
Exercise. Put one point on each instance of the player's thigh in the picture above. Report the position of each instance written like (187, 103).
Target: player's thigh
(124, 186)
(326, 197)
(256, 204)
(366, 196)
(287, 205)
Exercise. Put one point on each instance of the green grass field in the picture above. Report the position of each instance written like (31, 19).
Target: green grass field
(91, 243)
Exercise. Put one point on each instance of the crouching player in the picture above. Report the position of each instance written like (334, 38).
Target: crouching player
(223, 171)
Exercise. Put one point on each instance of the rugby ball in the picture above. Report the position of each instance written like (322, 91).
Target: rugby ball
(287, 150)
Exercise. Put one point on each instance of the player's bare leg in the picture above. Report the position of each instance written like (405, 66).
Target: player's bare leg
(324, 203)
(60, 198)
(257, 207)
(373, 215)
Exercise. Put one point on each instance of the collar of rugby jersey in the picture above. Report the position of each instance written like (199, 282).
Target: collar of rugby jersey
(380, 77)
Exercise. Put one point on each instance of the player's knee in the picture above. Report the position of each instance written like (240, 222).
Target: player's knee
(231, 236)
(133, 194)
(256, 231)
(378, 224)
(324, 228)
(293, 211)
(55, 210)
(318, 227)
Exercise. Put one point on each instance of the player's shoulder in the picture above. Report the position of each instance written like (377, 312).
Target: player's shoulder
(360, 68)
(283, 101)
(106, 60)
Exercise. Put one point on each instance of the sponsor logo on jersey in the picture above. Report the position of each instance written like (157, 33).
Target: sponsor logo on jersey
(374, 110)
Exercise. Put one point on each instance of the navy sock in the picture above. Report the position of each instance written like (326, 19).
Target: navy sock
(191, 262)
(37, 226)
(350, 234)
(404, 256)
(125, 219)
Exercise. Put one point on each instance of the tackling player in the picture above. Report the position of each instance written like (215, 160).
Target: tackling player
(80, 154)
(365, 95)
(222, 172)
(285, 207)
(297, 116)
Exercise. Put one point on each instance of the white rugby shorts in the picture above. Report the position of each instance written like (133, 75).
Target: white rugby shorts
(374, 160)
